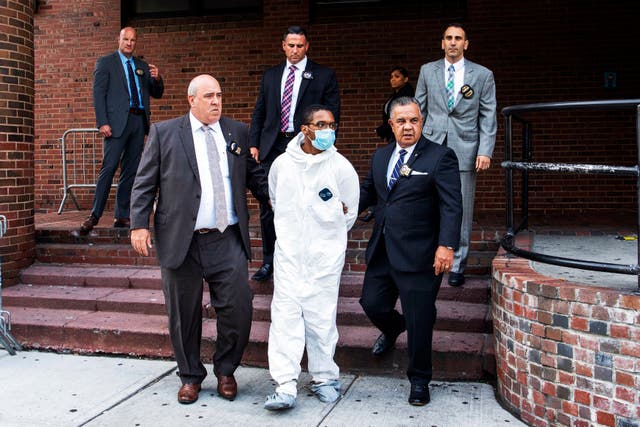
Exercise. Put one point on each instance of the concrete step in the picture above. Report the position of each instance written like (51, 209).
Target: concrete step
(456, 355)
(475, 290)
(452, 315)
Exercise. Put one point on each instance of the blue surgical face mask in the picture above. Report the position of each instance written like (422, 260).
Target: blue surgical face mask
(324, 139)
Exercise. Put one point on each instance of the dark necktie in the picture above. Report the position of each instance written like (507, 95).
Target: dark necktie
(396, 170)
(219, 199)
(286, 99)
(135, 100)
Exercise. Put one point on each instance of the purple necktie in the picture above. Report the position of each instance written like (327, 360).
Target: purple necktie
(286, 99)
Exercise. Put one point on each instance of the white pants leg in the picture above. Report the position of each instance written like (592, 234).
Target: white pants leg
(321, 331)
(286, 342)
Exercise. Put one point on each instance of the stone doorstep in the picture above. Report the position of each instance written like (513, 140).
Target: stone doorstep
(475, 290)
(456, 355)
(452, 315)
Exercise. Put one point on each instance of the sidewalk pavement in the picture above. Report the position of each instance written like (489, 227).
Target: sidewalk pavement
(48, 389)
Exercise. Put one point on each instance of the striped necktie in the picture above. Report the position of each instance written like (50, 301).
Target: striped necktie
(286, 99)
(396, 170)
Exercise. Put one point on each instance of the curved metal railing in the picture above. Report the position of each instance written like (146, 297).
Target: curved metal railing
(514, 113)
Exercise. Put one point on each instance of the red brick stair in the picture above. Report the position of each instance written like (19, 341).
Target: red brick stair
(93, 294)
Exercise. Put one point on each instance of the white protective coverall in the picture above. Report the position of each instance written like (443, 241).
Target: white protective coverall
(307, 192)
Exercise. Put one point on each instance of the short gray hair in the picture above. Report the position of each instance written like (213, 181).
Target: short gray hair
(401, 102)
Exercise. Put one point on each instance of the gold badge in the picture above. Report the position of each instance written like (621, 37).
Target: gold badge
(405, 170)
(466, 91)
(140, 72)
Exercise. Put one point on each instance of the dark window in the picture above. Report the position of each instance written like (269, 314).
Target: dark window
(328, 10)
(171, 8)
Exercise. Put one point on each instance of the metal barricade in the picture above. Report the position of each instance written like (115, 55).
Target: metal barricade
(81, 160)
(6, 339)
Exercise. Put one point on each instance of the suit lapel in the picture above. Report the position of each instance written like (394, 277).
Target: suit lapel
(469, 77)
(382, 164)
(123, 78)
(186, 138)
(305, 82)
(228, 137)
(438, 76)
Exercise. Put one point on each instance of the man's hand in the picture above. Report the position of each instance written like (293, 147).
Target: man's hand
(482, 163)
(141, 241)
(105, 130)
(255, 153)
(154, 72)
(443, 260)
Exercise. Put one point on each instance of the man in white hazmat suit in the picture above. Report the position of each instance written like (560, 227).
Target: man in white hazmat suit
(314, 193)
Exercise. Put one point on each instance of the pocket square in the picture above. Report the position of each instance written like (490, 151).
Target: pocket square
(415, 172)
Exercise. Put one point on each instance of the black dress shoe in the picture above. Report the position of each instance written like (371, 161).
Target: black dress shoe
(456, 279)
(419, 395)
(121, 223)
(86, 226)
(383, 344)
(263, 273)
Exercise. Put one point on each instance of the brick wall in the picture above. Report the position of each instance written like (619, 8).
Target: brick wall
(539, 52)
(16, 137)
(566, 354)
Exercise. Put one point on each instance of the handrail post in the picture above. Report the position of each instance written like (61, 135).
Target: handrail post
(527, 155)
(638, 190)
(508, 153)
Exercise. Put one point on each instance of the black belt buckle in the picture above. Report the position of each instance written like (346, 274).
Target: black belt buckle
(136, 111)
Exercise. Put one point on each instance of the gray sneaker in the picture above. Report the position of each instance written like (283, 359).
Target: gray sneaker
(279, 401)
(327, 392)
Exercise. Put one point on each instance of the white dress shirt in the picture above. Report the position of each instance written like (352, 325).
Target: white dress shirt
(300, 66)
(206, 212)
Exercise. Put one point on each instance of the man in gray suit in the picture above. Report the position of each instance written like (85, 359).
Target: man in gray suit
(199, 166)
(122, 85)
(458, 99)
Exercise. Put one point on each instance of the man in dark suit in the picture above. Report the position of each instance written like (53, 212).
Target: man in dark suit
(122, 85)
(414, 187)
(200, 167)
(286, 91)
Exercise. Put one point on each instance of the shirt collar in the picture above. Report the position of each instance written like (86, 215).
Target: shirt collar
(124, 59)
(457, 66)
(409, 150)
(196, 124)
(300, 65)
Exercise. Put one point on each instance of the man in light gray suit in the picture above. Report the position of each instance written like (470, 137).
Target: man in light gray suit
(122, 85)
(458, 99)
(199, 166)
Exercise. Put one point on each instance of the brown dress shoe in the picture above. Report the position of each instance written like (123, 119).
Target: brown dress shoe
(188, 393)
(227, 387)
(87, 225)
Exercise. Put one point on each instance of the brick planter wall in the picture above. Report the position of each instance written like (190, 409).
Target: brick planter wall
(17, 248)
(566, 354)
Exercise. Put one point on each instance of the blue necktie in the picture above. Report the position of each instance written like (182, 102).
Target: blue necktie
(396, 170)
(135, 100)
(450, 98)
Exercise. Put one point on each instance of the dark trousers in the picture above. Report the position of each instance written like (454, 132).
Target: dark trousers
(418, 292)
(266, 213)
(124, 151)
(219, 259)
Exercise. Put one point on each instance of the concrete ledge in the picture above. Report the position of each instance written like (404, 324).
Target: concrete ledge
(566, 353)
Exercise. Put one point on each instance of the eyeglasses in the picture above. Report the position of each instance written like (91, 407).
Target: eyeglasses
(324, 125)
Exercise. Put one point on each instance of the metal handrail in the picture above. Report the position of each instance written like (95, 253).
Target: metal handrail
(515, 112)
(82, 171)
(6, 339)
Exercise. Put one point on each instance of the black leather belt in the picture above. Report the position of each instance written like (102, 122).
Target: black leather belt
(207, 230)
(213, 230)
(287, 134)
(136, 111)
